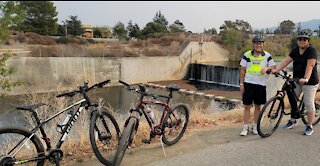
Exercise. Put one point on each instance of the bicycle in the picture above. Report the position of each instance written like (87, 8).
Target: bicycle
(170, 120)
(22, 146)
(273, 111)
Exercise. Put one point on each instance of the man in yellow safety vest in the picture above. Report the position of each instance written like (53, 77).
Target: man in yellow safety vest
(254, 65)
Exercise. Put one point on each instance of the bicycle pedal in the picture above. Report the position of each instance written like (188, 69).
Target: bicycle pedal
(146, 141)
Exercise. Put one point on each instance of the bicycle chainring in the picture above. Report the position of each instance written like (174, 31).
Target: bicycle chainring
(6, 161)
(56, 153)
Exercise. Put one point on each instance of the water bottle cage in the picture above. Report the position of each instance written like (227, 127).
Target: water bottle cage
(61, 127)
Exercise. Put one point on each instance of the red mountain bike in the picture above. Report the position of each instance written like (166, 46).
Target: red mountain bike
(172, 125)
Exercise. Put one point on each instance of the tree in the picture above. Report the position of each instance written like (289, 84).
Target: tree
(240, 25)
(268, 31)
(105, 32)
(40, 17)
(133, 30)
(74, 26)
(152, 28)
(256, 32)
(159, 18)
(177, 26)
(120, 31)
(259, 32)
(211, 31)
(61, 30)
(236, 42)
(299, 27)
(10, 15)
(97, 33)
(286, 28)
(228, 25)
(129, 27)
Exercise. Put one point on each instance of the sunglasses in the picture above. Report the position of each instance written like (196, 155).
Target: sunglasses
(302, 39)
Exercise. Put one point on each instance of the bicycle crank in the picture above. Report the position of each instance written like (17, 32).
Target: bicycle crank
(6, 161)
(55, 155)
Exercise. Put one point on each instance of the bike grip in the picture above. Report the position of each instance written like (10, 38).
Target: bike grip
(101, 84)
(268, 71)
(124, 83)
(63, 94)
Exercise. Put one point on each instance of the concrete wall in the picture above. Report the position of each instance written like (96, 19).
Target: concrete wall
(43, 74)
(51, 73)
(146, 69)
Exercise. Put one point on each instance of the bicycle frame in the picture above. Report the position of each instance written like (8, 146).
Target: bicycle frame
(81, 103)
(140, 109)
(294, 99)
(166, 109)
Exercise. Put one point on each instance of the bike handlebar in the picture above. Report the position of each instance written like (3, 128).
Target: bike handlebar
(131, 88)
(284, 75)
(84, 89)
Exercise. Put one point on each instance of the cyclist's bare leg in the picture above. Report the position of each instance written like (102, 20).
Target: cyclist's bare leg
(256, 113)
(246, 114)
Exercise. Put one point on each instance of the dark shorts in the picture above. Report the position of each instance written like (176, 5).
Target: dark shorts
(255, 93)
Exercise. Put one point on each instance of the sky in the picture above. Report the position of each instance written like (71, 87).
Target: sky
(195, 15)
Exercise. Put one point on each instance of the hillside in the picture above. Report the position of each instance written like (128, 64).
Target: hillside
(311, 24)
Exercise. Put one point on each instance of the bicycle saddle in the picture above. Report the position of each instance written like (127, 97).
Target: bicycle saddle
(173, 87)
(30, 107)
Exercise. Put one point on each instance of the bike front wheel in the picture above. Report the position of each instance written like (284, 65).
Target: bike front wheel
(17, 148)
(124, 141)
(104, 136)
(175, 124)
(270, 116)
(317, 112)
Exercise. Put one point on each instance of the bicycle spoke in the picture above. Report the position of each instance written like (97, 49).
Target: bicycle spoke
(174, 124)
(104, 137)
(270, 117)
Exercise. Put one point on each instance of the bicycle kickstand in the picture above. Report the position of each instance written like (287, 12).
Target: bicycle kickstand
(164, 152)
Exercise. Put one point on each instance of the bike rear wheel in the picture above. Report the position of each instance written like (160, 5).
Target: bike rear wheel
(270, 116)
(124, 141)
(175, 124)
(317, 112)
(11, 139)
(104, 136)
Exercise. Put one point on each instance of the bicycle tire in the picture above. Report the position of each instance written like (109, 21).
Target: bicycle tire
(124, 141)
(317, 113)
(268, 109)
(115, 131)
(25, 134)
(168, 116)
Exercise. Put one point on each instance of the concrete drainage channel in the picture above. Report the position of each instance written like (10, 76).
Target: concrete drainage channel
(231, 102)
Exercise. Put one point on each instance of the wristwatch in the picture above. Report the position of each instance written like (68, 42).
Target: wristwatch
(241, 84)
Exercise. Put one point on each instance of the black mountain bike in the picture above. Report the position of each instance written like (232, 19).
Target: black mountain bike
(171, 127)
(21, 146)
(273, 111)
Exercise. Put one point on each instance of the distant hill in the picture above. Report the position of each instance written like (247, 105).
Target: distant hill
(311, 24)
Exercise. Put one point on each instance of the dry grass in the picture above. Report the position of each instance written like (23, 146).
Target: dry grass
(44, 46)
(33, 38)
